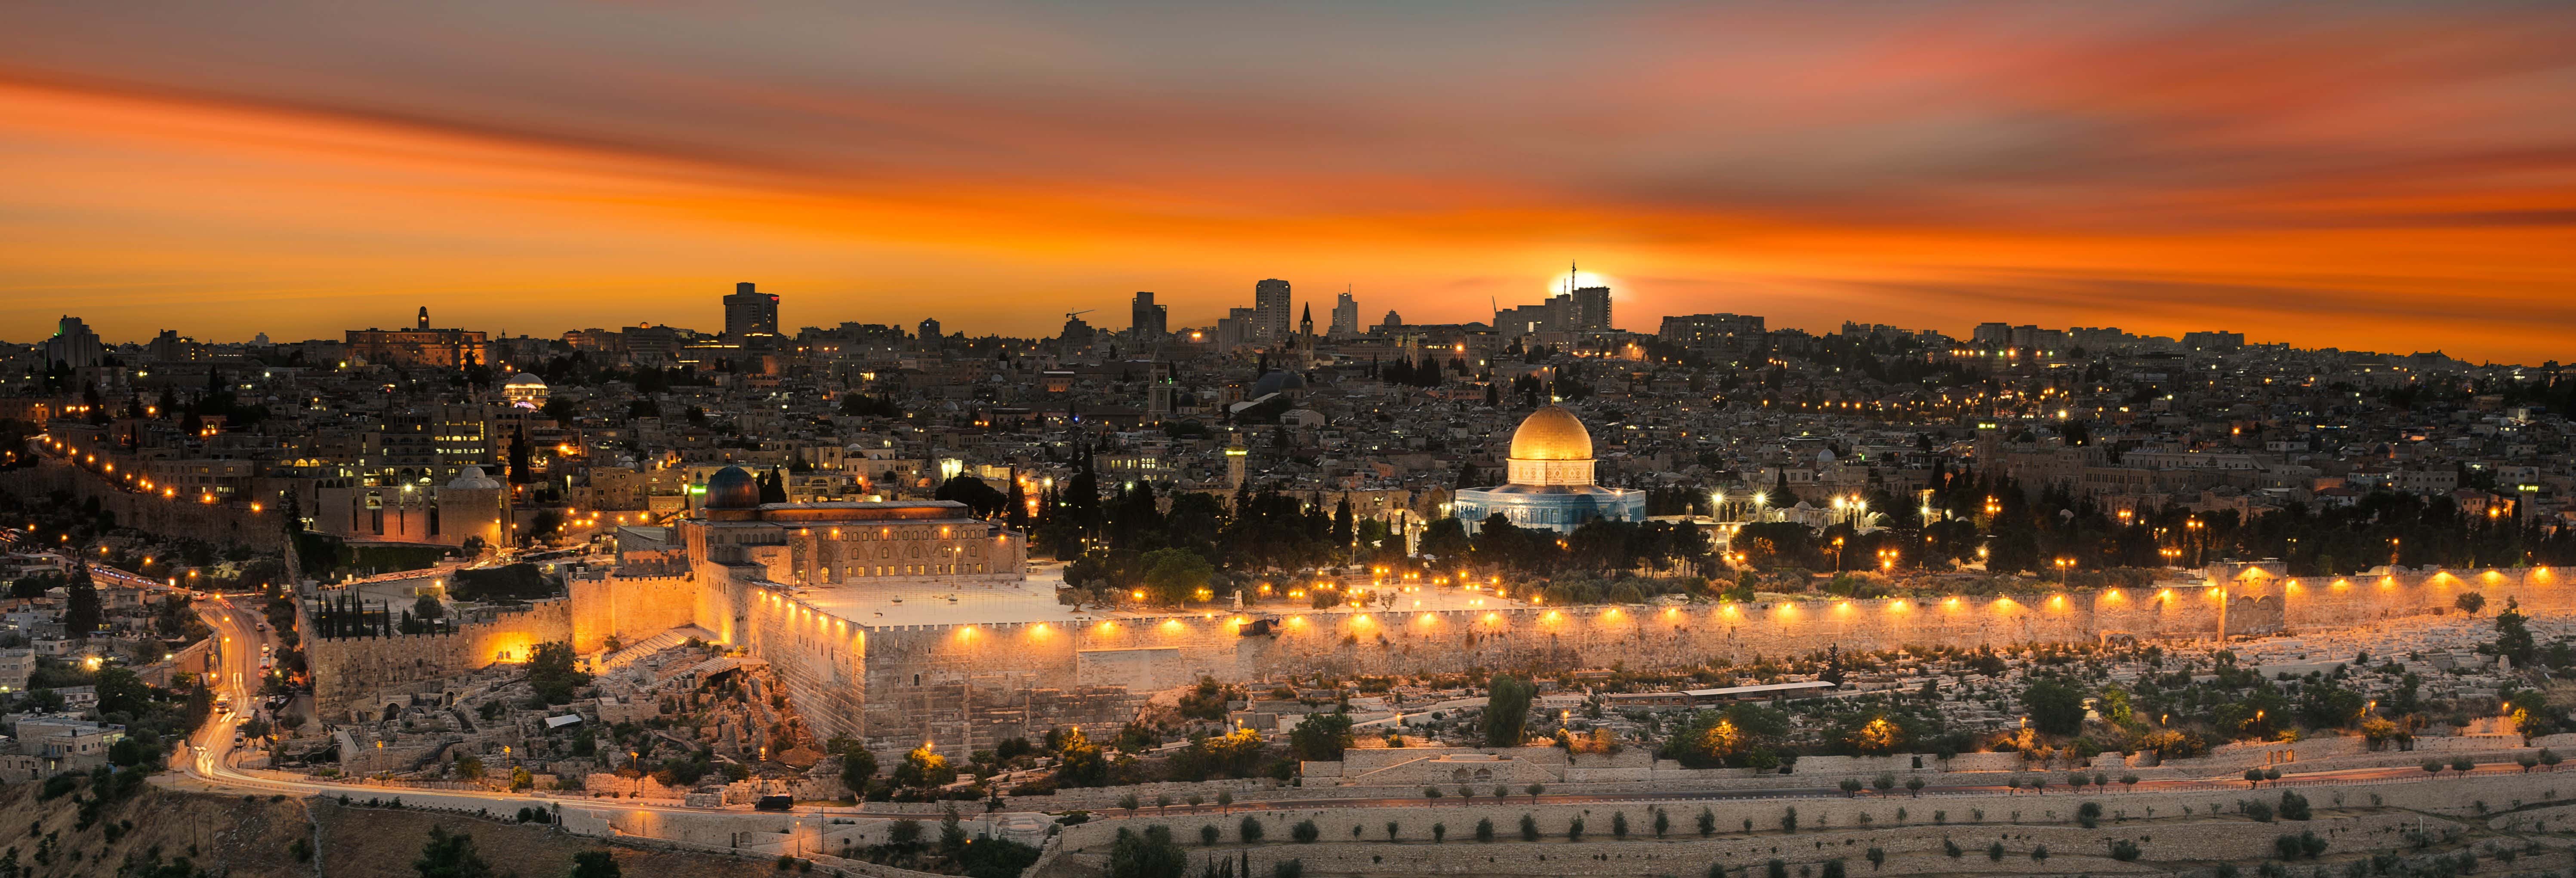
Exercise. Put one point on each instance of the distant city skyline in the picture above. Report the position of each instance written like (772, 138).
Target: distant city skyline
(2390, 177)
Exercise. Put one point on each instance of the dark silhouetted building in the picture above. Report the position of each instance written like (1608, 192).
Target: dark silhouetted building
(1148, 320)
(749, 313)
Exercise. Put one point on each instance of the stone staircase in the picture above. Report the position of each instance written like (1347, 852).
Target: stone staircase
(612, 661)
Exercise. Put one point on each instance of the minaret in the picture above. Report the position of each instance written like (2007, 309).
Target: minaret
(424, 316)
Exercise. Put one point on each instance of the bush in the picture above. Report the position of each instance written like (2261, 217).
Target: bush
(2304, 844)
(1529, 828)
(1951, 849)
(1250, 830)
(2262, 813)
(2089, 814)
(1707, 822)
(1574, 830)
(1305, 832)
(2124, 850)
(996, 858)
(1995, 852)
(2293, 806)
(1148, 853)
(1485, 830)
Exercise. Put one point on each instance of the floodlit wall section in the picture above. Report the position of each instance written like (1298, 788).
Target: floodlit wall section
(921, 680)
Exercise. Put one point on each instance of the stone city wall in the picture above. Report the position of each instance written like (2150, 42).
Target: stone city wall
(223, 524)
(363, 674)
(923, 680)
(820, 658)
(629, 608)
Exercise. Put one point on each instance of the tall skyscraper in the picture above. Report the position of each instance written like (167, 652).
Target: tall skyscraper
(1588, 308)
(1148, 320)
(1346, 317)
(1578, 309)
(749, 313)
(1270, 307)
(73, 345)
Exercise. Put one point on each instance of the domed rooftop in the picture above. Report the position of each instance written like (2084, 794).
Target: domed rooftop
(732, 488)
(524, 379)
(1552, 433)
(472, 478)
(1276, 382)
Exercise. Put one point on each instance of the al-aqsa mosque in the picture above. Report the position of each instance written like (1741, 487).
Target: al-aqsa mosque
(1550, 472)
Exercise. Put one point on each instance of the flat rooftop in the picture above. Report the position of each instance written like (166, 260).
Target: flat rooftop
(930, 601)
(933, 601)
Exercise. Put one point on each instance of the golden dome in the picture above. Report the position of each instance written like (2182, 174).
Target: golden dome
(1552, 433)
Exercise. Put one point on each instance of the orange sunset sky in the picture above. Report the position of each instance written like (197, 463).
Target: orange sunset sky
(2382, 176)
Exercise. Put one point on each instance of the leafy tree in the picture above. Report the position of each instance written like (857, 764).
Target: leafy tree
(1445, 539)
(2293, 805)
(122, 691)
(1175, 575)
(82, 614)
(1321, 737)
(2470, 602)
(2513, 635)
(594, 864)
(450, 856)
(1506, 717)
(858, 766)
(2055, 706)
(924, 768)
(1149, 854)
(551, 673)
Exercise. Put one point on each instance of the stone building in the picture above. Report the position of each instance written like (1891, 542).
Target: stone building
(1551, 481)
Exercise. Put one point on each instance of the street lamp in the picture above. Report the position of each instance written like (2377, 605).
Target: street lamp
(2063, 564)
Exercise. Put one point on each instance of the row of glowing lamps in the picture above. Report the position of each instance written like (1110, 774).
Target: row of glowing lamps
(573, 516)
(141, 483)
(1169, 625)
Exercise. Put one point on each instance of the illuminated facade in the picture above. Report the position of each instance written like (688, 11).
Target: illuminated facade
(837, 543)
(1550, 481)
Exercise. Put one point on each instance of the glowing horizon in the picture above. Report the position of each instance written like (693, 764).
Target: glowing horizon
(2391, 177)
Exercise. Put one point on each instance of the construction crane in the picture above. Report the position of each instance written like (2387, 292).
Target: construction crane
(1069, 315)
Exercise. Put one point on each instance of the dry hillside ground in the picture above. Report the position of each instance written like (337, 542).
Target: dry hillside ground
(381, 843)
(246, 838)
(257, 837)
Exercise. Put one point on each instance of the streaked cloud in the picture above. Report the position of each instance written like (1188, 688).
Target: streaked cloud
(2389, 176)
